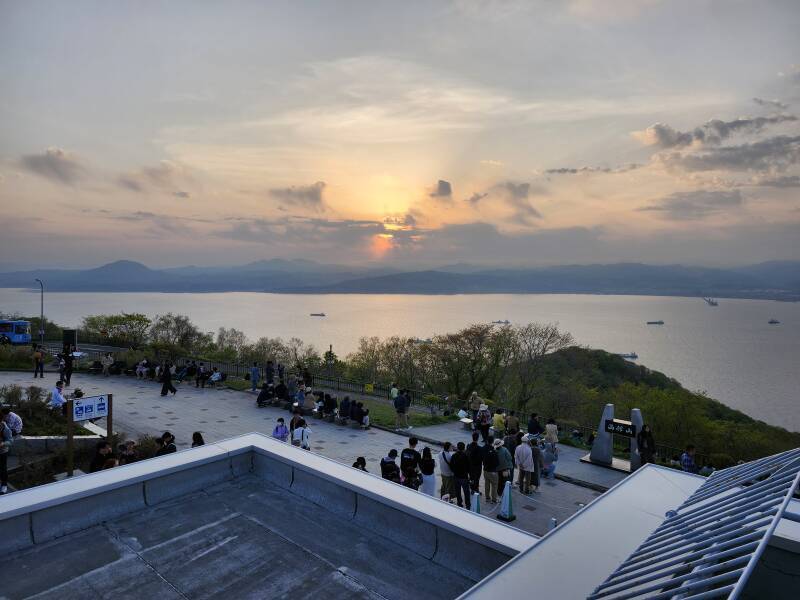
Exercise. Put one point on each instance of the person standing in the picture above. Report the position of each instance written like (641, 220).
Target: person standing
(505, 465)
(281, 432)
(551, 431)
(428, 468)
(57, 399)
(166, 378)
(401, 418)
(523, 457)
(301, 435)
(484, 421)
(459, 463)
(647, 445)
(269, 371)
(255, 373)
(538, 464)
(108, 360)
(490, 465)
(512, 423)
(409, 464)
(69, 363)
(6, 439)
(445, 471)
(687, 460)
(534, 427)
(475, 456)
(498, 423)
(38, 361)
(474, 405)
(201, 377)
(389, 468)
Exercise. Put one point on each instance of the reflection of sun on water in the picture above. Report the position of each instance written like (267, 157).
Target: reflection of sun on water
(381, 244)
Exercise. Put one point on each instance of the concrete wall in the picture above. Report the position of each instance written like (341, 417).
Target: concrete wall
(44, 444)
(421, 524)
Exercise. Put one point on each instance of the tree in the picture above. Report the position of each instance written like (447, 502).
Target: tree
(364, 363)
(177, 333)
(124, 329)
(532, 342)
(231, 342)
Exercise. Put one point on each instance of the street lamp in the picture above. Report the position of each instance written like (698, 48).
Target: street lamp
(41, 315)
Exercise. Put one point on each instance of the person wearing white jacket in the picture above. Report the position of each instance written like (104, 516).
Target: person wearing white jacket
(301, 435)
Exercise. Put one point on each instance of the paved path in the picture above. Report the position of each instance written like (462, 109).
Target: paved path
(219, 414)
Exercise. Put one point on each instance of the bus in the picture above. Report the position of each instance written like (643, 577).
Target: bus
(15, 332)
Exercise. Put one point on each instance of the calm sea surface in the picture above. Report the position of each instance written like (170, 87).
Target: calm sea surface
(728, 351)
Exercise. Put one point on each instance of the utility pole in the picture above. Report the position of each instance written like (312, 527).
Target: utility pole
(41, 314)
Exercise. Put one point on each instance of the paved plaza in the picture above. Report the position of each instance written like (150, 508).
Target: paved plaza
(222, 413)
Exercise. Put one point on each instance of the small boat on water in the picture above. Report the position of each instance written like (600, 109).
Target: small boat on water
(773, 322)
(317, 314)
(655, 322)
(711, 302)
(506, 322)
(629, 356)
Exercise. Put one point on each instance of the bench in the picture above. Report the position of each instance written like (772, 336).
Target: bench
(466, 423)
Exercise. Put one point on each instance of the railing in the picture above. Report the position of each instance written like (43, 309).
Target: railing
(419, 399)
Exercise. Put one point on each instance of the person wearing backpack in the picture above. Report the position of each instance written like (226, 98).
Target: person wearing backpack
(410, 461)
(490, 466)
(505, 465)
(484, 420)
(389, 468)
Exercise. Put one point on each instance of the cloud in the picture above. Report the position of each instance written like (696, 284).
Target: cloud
(167, 175)
(770, 103)
(477, 197)
(54, 164)
(713, 132)
(772, 154)
(516, 195)
(302, 196)
(443, 190)
(786, 181)
(579, 170)
(698, 204)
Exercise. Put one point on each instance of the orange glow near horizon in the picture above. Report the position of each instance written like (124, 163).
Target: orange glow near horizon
(381, 244)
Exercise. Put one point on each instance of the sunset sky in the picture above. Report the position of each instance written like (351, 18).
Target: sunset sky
(406, 133)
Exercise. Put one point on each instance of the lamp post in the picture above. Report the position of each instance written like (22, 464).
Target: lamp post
(41, 314)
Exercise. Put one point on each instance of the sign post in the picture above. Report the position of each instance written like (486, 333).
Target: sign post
(85, 409)
(70, 465)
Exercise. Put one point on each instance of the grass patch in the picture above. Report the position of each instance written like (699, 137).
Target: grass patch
(381, 413)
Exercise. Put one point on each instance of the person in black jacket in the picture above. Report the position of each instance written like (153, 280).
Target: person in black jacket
(409, 464)
(389, 468)
(166, 378)
(459, 464)
(281, 391)
(475, 455)
(534, 427)
(647, 445)
(344, 408)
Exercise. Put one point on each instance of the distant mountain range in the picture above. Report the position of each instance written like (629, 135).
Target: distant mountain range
(779, 280)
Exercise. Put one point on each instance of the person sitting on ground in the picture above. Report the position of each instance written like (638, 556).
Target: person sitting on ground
(215, 378)
(281, 432)
(281, 391)
(12, 419)
(329, 407)
(310, 402)
(389, 468)
(365, 419)
(128, 453)
(360, 464)
(356, 411)
(110, 463)
(167, 444)
(197, 439)
(344, 408)
(141, 369)
(57, 400)
(103, 452)
(266, 395)
(409, 464)
(301, 434)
